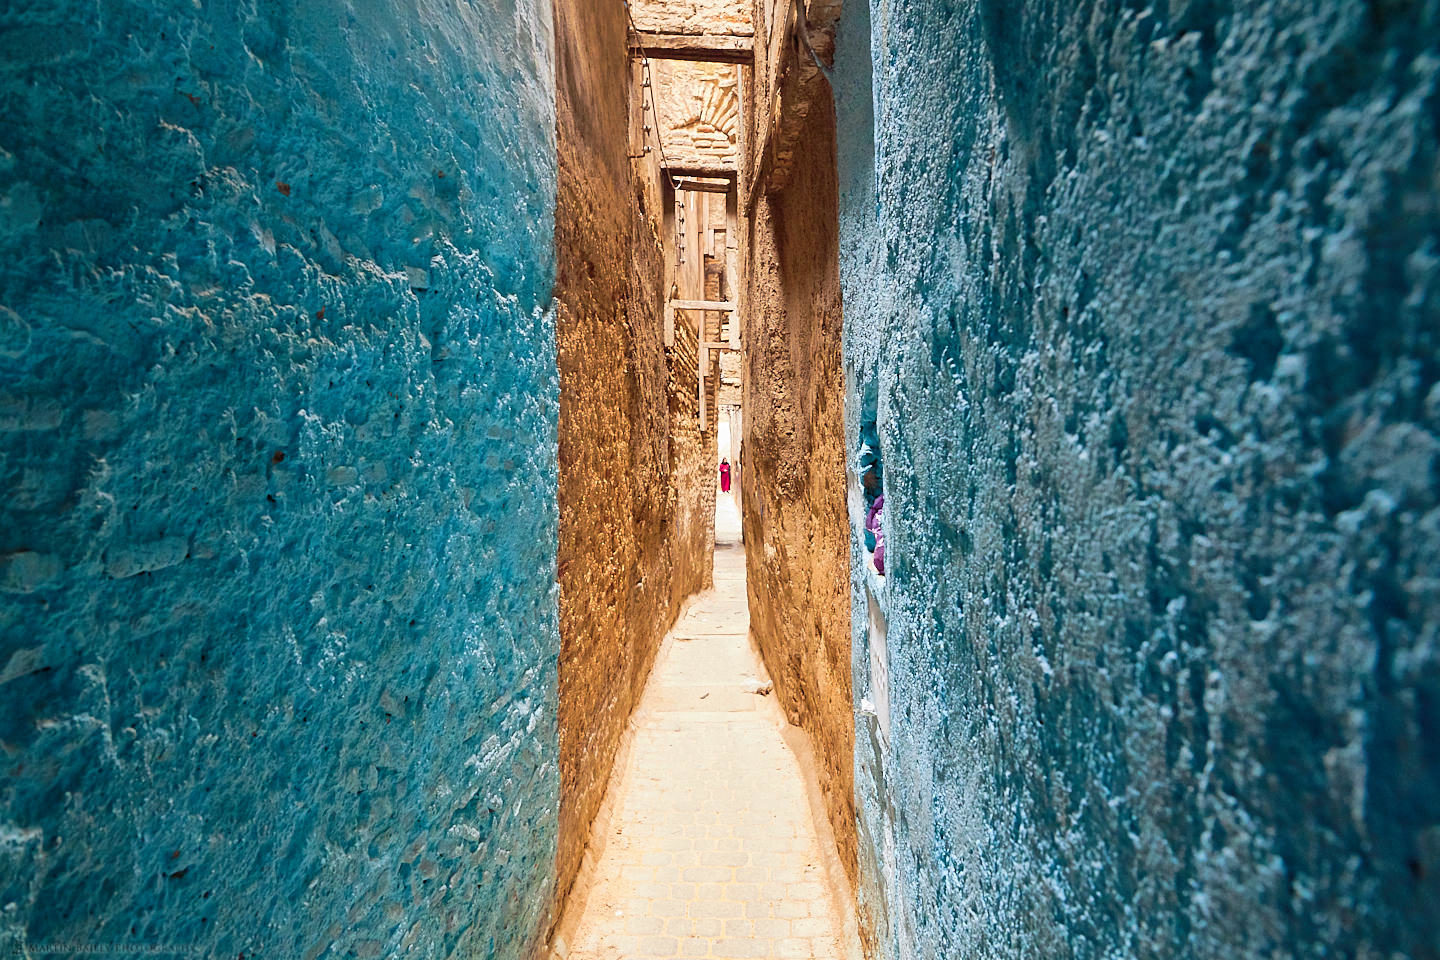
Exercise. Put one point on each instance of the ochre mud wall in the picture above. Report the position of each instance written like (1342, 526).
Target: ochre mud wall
(632, 546)
(1147, 299)
(792, 484)
(692, 453)
(277, 452)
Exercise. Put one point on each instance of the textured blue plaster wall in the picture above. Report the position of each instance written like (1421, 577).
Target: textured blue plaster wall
(277, 617)
(1147, 298)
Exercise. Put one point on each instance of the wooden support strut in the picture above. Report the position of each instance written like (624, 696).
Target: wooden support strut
(673, 305)
(704, 345)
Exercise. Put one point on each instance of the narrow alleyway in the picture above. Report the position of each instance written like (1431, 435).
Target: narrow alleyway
(366, 375)
(709, 844)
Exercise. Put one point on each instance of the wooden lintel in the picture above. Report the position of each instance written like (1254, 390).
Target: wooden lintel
(718, 345)
(709, 48)
(702, 186)
(725, 305)
(681, 171)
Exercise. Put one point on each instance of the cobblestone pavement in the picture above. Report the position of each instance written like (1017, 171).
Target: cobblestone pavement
(709, 846)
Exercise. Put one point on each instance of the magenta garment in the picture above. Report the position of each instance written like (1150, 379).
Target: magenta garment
(872, 523)
(725, 478)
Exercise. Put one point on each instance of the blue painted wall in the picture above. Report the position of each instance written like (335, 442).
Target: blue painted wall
(1145, 301)
(277, 443)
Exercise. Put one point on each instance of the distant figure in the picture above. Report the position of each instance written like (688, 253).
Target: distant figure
(724, 476)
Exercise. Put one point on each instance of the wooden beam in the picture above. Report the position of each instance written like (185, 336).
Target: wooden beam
(679, 170)
(702, 305)
(701, 186)
(709, 48)
(718, 345)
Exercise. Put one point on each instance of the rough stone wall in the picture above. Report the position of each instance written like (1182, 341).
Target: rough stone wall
(1147, 304)
(692, 450)
(730, 379)
(792, 493)
(699, 108)
(278, 452)
(627, 556)
(706, 17)
(598, 543)
(683, 511)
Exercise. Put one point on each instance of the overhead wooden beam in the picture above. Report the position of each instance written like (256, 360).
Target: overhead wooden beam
(709, 48)
(704, 362)
(702, 186)
(702, 305)
(681, 171)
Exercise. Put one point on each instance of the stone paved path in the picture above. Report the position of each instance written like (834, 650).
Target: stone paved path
(709, 846)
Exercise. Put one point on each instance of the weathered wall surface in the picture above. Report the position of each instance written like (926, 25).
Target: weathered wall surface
(628, 557)
(278, 451)
(694, 16)
(690, 276)
(793, 494)
(1148, 305)
(699, 109)
(693, 452)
